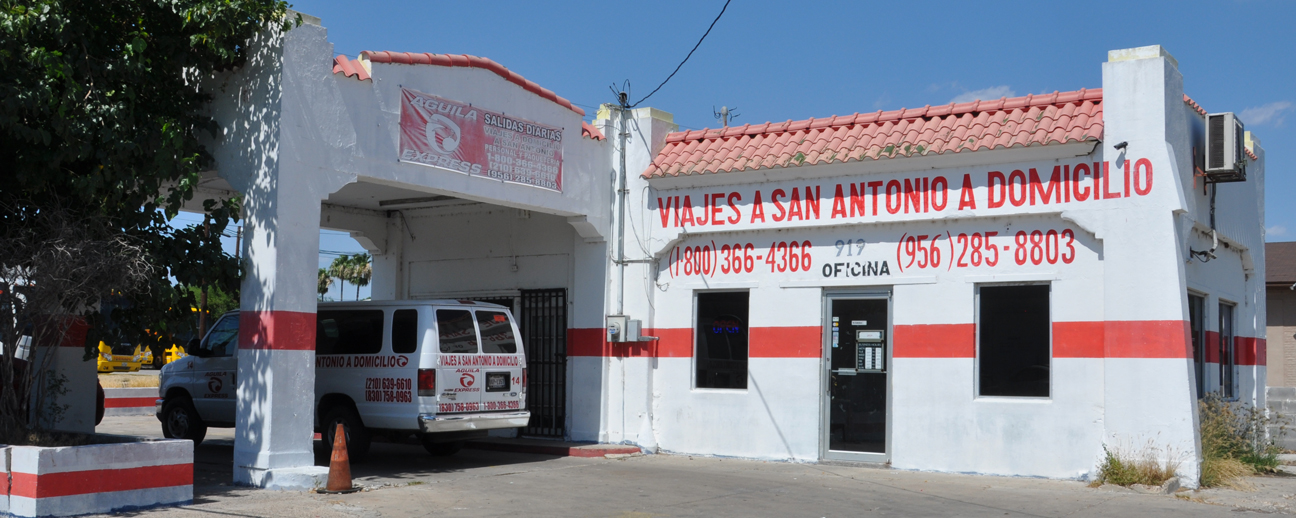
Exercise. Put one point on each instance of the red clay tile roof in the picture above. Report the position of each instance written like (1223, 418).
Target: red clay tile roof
(590, 131)
(350, 68)
(464, 60)
(1055, 118)
(1280, 263)
(1197, 108)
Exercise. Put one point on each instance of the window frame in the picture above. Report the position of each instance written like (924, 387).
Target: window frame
(205, 344)
(1199, 364)
(391, 331)
(976, 363)
(513, 330)
(472, 317)
(697, 335)
(1228, 389)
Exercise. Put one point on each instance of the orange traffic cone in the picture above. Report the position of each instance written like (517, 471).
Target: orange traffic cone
(339, 479)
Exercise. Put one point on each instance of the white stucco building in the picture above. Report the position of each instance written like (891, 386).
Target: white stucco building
(1000, 287)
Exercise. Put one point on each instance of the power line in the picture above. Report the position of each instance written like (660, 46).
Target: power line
(686, 58)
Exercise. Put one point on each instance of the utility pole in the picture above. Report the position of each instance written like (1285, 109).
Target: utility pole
(202, 299)
(622, 190)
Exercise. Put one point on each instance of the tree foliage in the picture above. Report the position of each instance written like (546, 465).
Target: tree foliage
(355, 269)
(101, 115)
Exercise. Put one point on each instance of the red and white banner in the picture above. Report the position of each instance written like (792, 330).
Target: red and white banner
(460, 137)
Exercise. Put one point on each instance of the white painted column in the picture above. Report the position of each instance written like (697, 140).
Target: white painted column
(276, 370)
(1149, 397)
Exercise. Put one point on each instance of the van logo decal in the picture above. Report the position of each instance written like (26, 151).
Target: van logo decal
(467, 379)
(214, 384)
(363, 361)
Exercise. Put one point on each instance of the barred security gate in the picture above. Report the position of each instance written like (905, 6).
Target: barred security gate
(544, 331)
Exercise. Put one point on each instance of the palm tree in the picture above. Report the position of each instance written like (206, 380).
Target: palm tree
(340, 269)
(361, 271)
(325, 281)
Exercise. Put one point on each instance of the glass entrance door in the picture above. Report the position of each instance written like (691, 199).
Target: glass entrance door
(858, 361)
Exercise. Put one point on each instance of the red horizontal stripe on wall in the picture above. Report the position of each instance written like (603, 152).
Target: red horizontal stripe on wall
(1078, 339)
(278, 330)
(1212, 346)
(129, 402)
(934, 341)
(670, 343)
(785, 342)
(100, 481)
(1249, 351)
(1148, 339)
(585, 342)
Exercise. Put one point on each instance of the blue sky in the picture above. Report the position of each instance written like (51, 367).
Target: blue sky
(778, 60)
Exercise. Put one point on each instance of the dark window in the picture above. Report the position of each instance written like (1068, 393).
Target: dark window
(355, 331)
(1197, 327)
(405, 331)
(722, 340)
(223, 338)
(496, 333)
(1014, 341)
(1226, 350)
(455, 327)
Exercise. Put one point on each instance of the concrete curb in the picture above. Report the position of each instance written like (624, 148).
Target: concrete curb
(129, 401)
(561, 449)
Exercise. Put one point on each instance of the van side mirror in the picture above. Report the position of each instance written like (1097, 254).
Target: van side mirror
(193, 350)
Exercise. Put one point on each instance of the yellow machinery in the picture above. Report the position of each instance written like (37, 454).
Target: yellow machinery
(123, 357)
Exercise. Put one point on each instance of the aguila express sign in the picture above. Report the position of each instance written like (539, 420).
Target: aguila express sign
(461, 137)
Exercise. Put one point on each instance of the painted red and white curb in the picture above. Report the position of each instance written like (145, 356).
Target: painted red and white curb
(97, 478)
(130, 401)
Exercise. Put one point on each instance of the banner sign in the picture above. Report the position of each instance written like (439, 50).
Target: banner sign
(460, 137)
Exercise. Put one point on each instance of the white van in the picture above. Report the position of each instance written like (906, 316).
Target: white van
(446, 370)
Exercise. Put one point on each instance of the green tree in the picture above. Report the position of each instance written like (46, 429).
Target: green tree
(361, 271)
(340, 269)
(325, 281)
(101, 113)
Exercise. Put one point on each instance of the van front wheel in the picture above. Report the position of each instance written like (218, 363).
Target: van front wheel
(181, 421)
(440, 449)
(357, 437)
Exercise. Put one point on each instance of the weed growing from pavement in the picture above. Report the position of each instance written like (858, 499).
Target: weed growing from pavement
(1144, 468)
(1235, 442)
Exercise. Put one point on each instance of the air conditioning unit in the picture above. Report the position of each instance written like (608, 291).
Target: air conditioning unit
(1225, 155)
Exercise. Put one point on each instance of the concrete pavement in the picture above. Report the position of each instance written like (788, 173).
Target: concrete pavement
(405, 481)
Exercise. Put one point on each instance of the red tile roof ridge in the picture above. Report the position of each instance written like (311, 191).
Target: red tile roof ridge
(589, 131)
(1005, 123)
(1055, 98)
(1196, 107)
(465, 60)
(350, 68)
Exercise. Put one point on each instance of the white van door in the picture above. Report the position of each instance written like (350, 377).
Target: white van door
(501, 361)
(459, 376)
(213, 383)
(348, 359)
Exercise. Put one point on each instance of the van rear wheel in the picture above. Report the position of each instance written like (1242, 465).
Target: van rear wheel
(440, 449)
(357, 437)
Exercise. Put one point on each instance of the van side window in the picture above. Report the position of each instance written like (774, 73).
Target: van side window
(405, 331)
(349, 331)
(458, 335)
(496, 333)
(223, 338)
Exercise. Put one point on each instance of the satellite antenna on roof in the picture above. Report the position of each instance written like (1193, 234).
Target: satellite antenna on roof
(725, 114)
